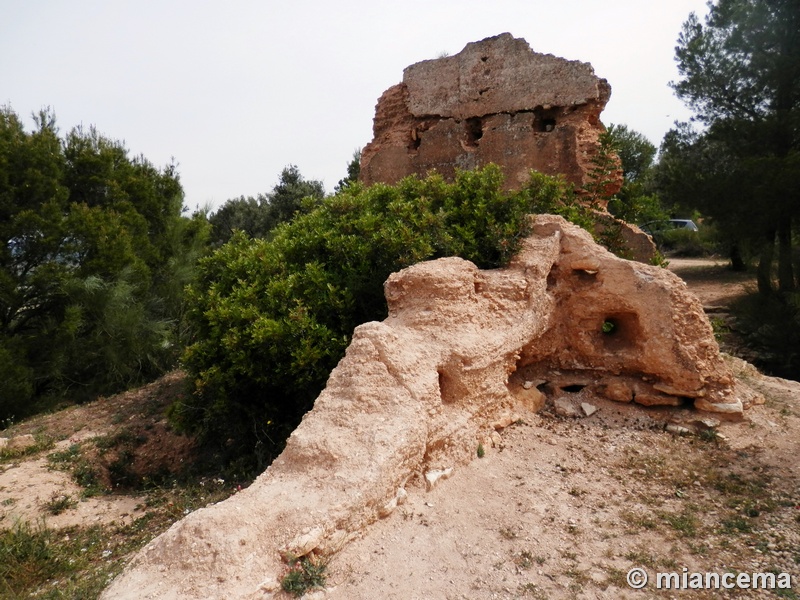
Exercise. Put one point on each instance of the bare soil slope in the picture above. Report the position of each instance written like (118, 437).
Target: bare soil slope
(109, 442)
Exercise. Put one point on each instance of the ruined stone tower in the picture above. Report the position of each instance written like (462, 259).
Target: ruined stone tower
(495, 101)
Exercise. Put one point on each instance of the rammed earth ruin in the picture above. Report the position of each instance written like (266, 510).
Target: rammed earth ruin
(495, 101)
(415, 394)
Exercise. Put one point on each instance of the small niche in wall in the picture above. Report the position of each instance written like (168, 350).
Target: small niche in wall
(474, 131)
(621, 331)
(544, 119)
(413, 145)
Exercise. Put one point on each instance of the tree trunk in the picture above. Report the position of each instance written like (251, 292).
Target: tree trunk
(764, 272)
(737, 262)
(785, 268)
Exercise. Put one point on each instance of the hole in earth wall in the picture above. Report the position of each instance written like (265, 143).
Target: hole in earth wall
(446, 388)
(552, 278)
(585, 275)
(474, 130)
(620, 331)
(413, 145)
(573, 388)
(544, 119)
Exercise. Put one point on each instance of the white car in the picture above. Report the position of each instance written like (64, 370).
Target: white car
(654, 228)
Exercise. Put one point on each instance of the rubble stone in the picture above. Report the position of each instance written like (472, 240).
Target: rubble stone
(19, 442)
(565, 407)
(588, 409)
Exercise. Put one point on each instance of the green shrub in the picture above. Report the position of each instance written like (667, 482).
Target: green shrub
(631, 204)
(94, 255)
(304, 575)
(684, 242)
(16, 380)
(271, 318)
(108, 336)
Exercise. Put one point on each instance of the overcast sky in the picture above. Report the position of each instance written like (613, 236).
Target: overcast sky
(236, 90)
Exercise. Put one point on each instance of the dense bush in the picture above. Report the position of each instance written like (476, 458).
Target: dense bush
(272, 317)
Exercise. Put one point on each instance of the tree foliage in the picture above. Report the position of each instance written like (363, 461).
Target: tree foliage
(93, 248)
(353, 171)
(636, 153)
(637, 201)
(257, 217)
(272, 317)
(740, 74)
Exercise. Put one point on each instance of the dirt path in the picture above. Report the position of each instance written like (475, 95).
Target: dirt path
(712, 280)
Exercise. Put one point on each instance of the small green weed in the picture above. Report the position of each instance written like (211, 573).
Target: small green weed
(720, 327)
(304, 575)
(647, 466)
(531, 591)
(83, 471)
(481, 451)
(709, 435)
(640, 556)
(685, 523)
(748, 494)
(58, 503)
(524, 560)
(638, 520)
(617, 577)
(735, 525)
(659, 260)
(579, 577)
(66, 457)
